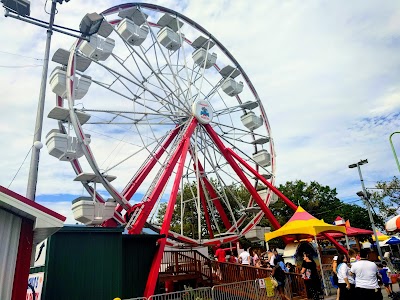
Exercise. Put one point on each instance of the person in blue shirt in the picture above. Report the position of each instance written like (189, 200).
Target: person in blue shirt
(385, 279)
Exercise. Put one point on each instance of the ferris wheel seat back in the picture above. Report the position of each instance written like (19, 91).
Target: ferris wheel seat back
(62, 114)
(231, 87)
(169, 39)
(97, 48)
(58, 83)
(203, 58)
(89, 212)
(132, 33)
(251, 121)
(64, 147)
(262, 158)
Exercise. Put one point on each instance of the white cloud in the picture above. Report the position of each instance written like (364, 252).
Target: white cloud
(327, 73)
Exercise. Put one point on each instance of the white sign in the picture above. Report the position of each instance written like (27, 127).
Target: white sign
(40, 254)
(36, 281)
(261, 282)
(202, 110)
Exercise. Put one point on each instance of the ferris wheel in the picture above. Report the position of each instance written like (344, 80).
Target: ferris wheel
(150, 106)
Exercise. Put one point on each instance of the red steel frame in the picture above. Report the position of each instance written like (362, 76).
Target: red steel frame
(179, 157)
(149, 204)
(180, 154)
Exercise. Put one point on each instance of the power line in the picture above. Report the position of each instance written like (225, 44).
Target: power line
(15, 54)
(19, 67)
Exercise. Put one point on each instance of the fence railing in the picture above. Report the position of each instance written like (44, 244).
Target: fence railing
(249, 290)
(185, 262)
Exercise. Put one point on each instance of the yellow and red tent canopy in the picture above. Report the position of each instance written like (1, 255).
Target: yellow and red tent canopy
(303, 225)
(381, 237)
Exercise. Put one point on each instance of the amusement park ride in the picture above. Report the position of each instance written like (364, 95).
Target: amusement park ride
(154, 103)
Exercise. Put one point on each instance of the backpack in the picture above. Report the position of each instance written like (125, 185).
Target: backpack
(279, 274)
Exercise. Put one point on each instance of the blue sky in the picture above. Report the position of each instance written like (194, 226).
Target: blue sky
(327, 73)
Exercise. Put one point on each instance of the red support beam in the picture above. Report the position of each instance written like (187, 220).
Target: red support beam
(263, 180)
(135, 182)
(155, 266)
(149, 204)
(217, 141)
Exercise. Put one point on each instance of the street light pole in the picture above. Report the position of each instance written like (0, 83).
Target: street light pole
(366, 199)
(34, 165)
(394, 151)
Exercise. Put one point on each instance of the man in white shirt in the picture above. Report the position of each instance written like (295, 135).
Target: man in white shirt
(366, 278)
(244, 257)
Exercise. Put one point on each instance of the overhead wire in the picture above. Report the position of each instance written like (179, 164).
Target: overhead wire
(19, 169)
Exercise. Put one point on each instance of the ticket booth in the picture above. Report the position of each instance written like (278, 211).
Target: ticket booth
(23, 225)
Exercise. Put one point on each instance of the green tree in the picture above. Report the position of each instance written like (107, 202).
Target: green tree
(321, 202)
(387, 198)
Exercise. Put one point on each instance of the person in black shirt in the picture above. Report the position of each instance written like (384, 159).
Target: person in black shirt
(311, 278)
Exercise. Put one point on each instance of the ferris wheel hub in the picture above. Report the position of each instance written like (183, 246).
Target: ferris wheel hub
(202, 110)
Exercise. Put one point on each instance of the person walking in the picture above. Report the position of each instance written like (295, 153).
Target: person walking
(366, 273)
(311, 278)
(345, 279)
(385, 279)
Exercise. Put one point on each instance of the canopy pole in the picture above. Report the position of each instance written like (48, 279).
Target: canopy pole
(347, 242)
(320, 263)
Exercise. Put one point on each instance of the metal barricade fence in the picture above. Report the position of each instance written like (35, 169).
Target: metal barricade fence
(263, 293)
(242, 290)
(188, 294)
(235, 291)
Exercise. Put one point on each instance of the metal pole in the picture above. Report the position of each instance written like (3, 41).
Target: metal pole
(34, 165)
(394, 151)
(322, 269)
(370, 213)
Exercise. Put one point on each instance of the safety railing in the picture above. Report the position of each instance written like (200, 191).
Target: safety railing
(229, 272)
(297, 285)
(185, 262)
(258, 289)
(188, 294)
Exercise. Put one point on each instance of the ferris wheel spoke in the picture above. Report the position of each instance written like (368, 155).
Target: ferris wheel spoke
(168, 64)
(140, 85)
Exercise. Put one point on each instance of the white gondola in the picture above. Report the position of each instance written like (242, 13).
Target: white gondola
(201, 55)
(262, 158)
(88, 212)
(83, 86)
(232, 87)
(132, 33)
(64, 147)
(97, 48)
(169, 39)
(58, 83)
(62, 114)
(251, 121)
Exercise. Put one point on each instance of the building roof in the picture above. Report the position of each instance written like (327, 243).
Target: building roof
(46, 221)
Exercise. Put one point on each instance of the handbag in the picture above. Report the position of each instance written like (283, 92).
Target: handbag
(274, 282)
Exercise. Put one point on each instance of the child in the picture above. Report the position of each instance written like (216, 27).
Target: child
(384, 264)
(385, 279)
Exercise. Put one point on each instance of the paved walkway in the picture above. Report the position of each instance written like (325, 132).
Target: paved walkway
(396, 288)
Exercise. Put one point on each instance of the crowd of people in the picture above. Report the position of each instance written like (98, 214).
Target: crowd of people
(360, 278)
(254, 257)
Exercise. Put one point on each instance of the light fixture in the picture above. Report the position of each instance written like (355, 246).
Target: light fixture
(21, 7)
(360, 194)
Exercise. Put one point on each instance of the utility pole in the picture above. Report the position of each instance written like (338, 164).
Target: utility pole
(364, 194)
